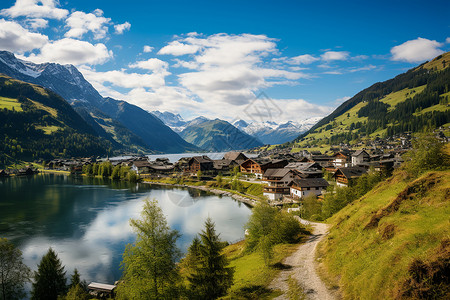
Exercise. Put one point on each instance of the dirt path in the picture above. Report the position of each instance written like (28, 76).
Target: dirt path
(302, 263)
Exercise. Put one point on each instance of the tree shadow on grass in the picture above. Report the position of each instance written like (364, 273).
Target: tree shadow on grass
(281, 266)
(254, 292)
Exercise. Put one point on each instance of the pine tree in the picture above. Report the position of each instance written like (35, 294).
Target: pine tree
(49, 280)
(212, 277)
(13, 272)
(149, 269)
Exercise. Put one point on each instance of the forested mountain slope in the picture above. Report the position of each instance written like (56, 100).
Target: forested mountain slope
(37, 123)
(414, 101)
(218, 135)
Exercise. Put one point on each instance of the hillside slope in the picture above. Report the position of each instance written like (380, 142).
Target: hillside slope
(393, 243)
(218, 135)
(101, 113)
(412, 101)
(37, 123)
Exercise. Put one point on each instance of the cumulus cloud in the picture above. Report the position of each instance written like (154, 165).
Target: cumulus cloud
(121, 28)
(125, 80)
(81, 23)
(228, 69)
(70, 51)
(150, 64)
(15, 38)
(148, 49)
(37, 23)
(447, 40)
(35, 9)
(176, 48)
(302, 59)
(335, 55)
(417, 50)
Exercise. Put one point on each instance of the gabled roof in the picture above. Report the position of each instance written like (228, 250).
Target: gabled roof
(233, 155)
(221, 163)
(359, 152)
(303, 165)
(202, 159)
(141, 163)
(279, 172)
(101, 286)
(351, 172)
(311, 182)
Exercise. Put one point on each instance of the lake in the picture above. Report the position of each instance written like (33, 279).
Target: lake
(86, 220)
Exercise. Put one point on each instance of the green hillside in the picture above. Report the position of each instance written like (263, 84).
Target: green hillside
(414, 101)
(394, 242)
(35, 123)
(218, 135)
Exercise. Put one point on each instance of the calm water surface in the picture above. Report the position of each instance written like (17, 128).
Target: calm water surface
(86, 220)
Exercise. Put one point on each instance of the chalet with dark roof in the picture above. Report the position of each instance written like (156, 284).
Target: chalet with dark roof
(141, 166)
(200, 163)
(238, 157)
(301, 188)
(346, 176)
(360, 157)
(258, 166)
(278, 182)
(342, 159)
(306, 169)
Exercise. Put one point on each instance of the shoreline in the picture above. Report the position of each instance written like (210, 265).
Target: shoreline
(247, 200)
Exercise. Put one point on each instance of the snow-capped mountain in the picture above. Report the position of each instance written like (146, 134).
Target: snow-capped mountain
(176, 122)
(270, 132)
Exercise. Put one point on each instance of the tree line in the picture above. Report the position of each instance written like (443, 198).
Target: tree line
(106, 169)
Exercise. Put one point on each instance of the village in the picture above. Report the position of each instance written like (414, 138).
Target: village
(285, 178)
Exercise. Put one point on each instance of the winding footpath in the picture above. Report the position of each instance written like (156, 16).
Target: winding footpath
(303, 268)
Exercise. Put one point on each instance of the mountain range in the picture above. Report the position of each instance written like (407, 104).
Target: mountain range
(268, 132)
(124, 124)
(217, 135)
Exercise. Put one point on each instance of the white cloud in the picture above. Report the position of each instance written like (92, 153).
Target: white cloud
(121, 28)
(148, 49)
(125, 80)
(70, 51)
(81, 23)
(302, 59)
(176, 48)
(447, 40)
(36, 9)
(333, 72)
(417, 50)
(151, 64)
(15, 38)
(365, 68)
(37, 23)
(228, 69)
(335, 55)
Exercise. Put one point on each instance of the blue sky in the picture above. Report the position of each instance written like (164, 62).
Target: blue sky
(213, 58)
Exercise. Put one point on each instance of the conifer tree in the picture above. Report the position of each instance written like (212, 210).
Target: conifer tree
(211, 277)
(49, 280)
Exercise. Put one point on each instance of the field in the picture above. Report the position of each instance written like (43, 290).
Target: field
(10, 104)
(374, 241)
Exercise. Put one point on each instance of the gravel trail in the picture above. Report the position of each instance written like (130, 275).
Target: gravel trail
(303, 268)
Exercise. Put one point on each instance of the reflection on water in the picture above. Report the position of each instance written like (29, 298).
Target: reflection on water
(86, 220)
